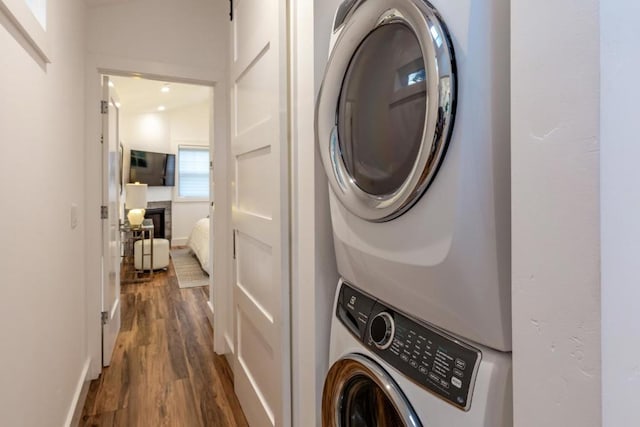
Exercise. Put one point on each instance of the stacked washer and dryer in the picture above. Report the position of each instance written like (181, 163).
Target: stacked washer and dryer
(412, 123)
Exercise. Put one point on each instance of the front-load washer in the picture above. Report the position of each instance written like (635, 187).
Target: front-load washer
(389, 370)
(412, 125)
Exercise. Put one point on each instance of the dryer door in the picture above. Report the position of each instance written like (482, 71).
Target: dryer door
(359, 393)
(386, 107)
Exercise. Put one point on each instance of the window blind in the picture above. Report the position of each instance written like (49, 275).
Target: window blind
(193, 172)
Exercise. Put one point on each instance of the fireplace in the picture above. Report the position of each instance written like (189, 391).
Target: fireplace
(157, 217)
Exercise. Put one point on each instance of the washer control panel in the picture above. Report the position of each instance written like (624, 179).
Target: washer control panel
(437, 362)
(382, 330)
(354, 309)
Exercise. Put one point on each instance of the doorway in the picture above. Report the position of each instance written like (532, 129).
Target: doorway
(183, 117)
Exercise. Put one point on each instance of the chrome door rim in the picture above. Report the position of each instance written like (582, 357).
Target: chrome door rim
(354, 365)
(437, 51)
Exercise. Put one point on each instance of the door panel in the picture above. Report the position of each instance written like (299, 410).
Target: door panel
(259, 148)
(110, 225)
(253, 94)
(254, 262)
(251, 196)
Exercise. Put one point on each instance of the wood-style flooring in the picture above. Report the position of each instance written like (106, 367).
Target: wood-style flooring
(164, 371)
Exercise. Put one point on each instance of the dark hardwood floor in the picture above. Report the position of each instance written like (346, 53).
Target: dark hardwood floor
(164, 371)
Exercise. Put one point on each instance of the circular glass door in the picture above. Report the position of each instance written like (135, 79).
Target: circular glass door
(386, 107)
(359, 393)
(381, 111)
(365, 404)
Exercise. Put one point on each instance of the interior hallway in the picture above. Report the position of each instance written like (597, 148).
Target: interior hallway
(163, 370)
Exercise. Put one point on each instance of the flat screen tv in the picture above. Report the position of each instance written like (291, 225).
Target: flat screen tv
(153, 169)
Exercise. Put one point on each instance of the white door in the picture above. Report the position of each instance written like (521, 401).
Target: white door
(111, 224)
(259, 147)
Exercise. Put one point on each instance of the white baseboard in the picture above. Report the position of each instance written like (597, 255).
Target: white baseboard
(210, 315)
(77, 404)
(230, 345)
(180, 241)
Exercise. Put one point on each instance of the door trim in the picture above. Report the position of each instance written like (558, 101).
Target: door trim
(98, 65)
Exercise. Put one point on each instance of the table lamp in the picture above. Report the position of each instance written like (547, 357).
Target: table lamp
(136, 202)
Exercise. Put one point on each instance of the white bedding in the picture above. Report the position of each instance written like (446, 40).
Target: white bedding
(199, 243)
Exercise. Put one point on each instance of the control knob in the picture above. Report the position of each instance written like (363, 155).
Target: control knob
(382, 330)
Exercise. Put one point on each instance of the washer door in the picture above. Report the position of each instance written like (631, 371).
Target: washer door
(386, 107)
(359, 393)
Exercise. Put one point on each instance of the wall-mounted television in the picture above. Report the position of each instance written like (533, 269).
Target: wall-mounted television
(153, 169)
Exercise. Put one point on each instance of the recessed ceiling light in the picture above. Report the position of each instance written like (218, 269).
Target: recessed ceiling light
(165, 88)
(161, 108)
(111, 83)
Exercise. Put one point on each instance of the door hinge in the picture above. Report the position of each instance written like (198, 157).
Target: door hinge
(234, 244)
(104, 317)
(230, 10)
(104, 107)
(104, 212)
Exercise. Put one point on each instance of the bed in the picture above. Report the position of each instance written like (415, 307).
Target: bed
(199, 243)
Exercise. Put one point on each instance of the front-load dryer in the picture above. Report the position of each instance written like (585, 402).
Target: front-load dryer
(412, 125)
(389, 370)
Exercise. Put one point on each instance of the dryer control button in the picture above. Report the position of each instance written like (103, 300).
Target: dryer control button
(461, 364)
(456, 382)
(382, 330)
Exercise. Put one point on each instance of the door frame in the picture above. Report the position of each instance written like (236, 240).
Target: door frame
(314, 273)
(96, 66)
(111, 325)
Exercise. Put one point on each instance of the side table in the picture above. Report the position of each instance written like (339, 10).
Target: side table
(130, 235)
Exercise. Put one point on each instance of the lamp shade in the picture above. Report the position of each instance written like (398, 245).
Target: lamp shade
(136, 196)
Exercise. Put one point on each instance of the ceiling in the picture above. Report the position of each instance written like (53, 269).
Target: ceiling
(138, 95)
(101, 2)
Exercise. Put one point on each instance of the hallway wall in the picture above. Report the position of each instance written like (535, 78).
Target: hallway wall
(315, 275)
(185, 32)
(42, 292)
(555, 154)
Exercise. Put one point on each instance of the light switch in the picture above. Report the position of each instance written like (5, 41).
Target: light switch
(74, 215)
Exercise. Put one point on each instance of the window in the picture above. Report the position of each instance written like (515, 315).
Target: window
(39, 10)
(29, 17)
(193, 172)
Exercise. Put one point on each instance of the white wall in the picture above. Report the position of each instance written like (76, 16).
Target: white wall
(189, 126)
(183, 32)
(324, 11)
(42, 294)
(555, 211)
(148, 132)
(314, 274)
(620, 211)
(326, 271)
(163, 133)
(182, 39)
